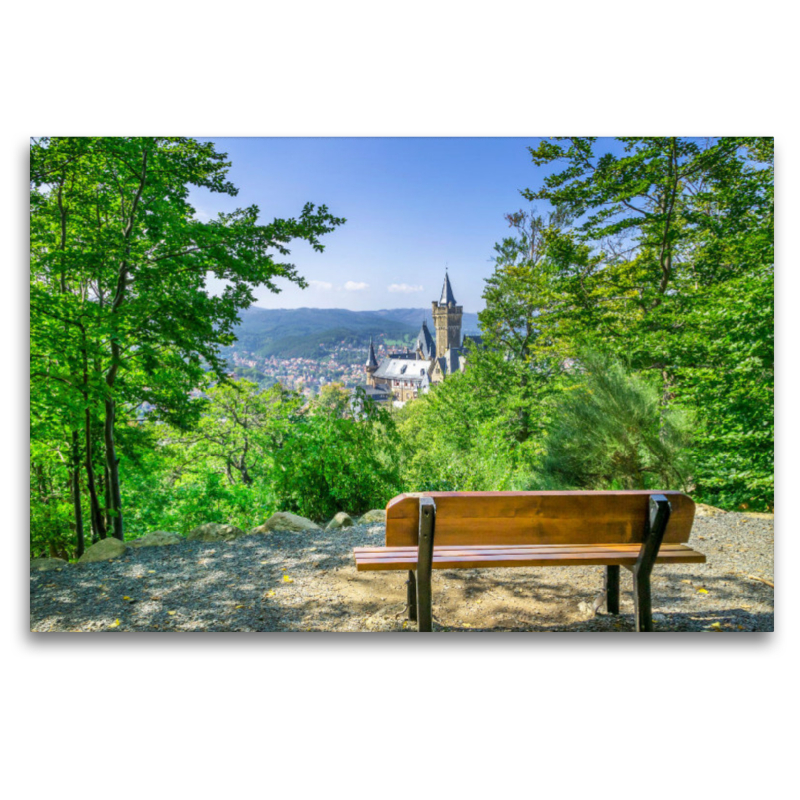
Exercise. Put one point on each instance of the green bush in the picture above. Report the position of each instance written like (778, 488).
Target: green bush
(337, 456)
(611, 431)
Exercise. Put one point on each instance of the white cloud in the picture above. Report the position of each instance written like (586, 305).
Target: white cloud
(353, 286)
(322, 286)
(404, 288)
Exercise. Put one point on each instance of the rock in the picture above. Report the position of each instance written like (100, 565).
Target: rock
(376, 515)
(702, 510)
(214, 532)
(341, 520)
(284, 521)
(46, 564)
(104, 550)
(587, 608)
(156, 539)
(386, 619)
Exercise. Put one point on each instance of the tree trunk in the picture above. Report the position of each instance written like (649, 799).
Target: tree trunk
(57, 552)
(98, 523)
(112, 462)
(107, 493)
(246, 479)
(666, 397)
(524, 430)
(38, 471)
(76, 492)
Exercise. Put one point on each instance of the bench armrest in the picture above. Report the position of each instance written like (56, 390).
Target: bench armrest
(656, 525)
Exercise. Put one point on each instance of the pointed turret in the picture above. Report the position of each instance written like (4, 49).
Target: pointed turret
(371, 360)
(447, 298)
(372, 364)
(425, 346)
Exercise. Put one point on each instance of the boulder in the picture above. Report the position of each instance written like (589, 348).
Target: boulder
(214, 532)
(376, 515)
(341, 520)
(156, 539)
(104, 550)
(46, 564)
(284, 521)
(702, 510)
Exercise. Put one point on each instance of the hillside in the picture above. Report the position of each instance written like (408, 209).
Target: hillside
(414, 317)
(315, 332)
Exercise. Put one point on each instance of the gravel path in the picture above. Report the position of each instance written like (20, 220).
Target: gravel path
(286, 581)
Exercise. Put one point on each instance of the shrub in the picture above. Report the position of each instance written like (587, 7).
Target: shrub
(612, 431)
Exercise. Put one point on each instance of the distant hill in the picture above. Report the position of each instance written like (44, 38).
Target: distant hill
(312, 332)
(414, 316)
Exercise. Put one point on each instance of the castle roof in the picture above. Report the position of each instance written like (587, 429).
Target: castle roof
(371, 360)
(401, 369)
(379, 394)
(475, 338)
(447, 293)
(425, 342)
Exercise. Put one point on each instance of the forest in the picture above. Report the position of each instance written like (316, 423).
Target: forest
(311, 332)
(628, 342)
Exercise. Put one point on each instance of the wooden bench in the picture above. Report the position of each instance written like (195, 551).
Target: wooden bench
(468, 530)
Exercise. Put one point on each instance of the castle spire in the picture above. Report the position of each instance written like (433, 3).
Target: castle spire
(447, 292)
(372, 362)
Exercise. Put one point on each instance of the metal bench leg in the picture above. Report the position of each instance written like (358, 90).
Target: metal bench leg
(654, 534)
(427, 521)
(612, 589)
(411, 596)
(642, 601)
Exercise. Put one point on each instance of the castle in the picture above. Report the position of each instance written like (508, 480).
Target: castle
(404, 376)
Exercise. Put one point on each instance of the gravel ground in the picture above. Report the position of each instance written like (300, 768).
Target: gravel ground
(286, 581)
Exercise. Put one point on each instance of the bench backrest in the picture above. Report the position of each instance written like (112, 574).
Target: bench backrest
(477, 518)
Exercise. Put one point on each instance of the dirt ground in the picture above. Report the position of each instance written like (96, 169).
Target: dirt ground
(285, 581)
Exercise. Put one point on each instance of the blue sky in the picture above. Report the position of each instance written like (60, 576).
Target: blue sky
(413, 205)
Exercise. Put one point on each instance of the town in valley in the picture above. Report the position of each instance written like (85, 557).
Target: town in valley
(389, 370)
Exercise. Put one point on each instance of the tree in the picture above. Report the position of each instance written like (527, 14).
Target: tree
(670, 263)
(609, 432)
(120, 312)
(667, 219)
(241, 429)
(219, 470)
(516, 352)
(519, 289)
(337, 456)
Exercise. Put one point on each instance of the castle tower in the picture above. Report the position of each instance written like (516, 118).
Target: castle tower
(371, 365)
(447, 319)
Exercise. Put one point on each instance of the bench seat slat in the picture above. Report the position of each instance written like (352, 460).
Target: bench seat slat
(513, 548)
(366, 554)
(453, 557)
